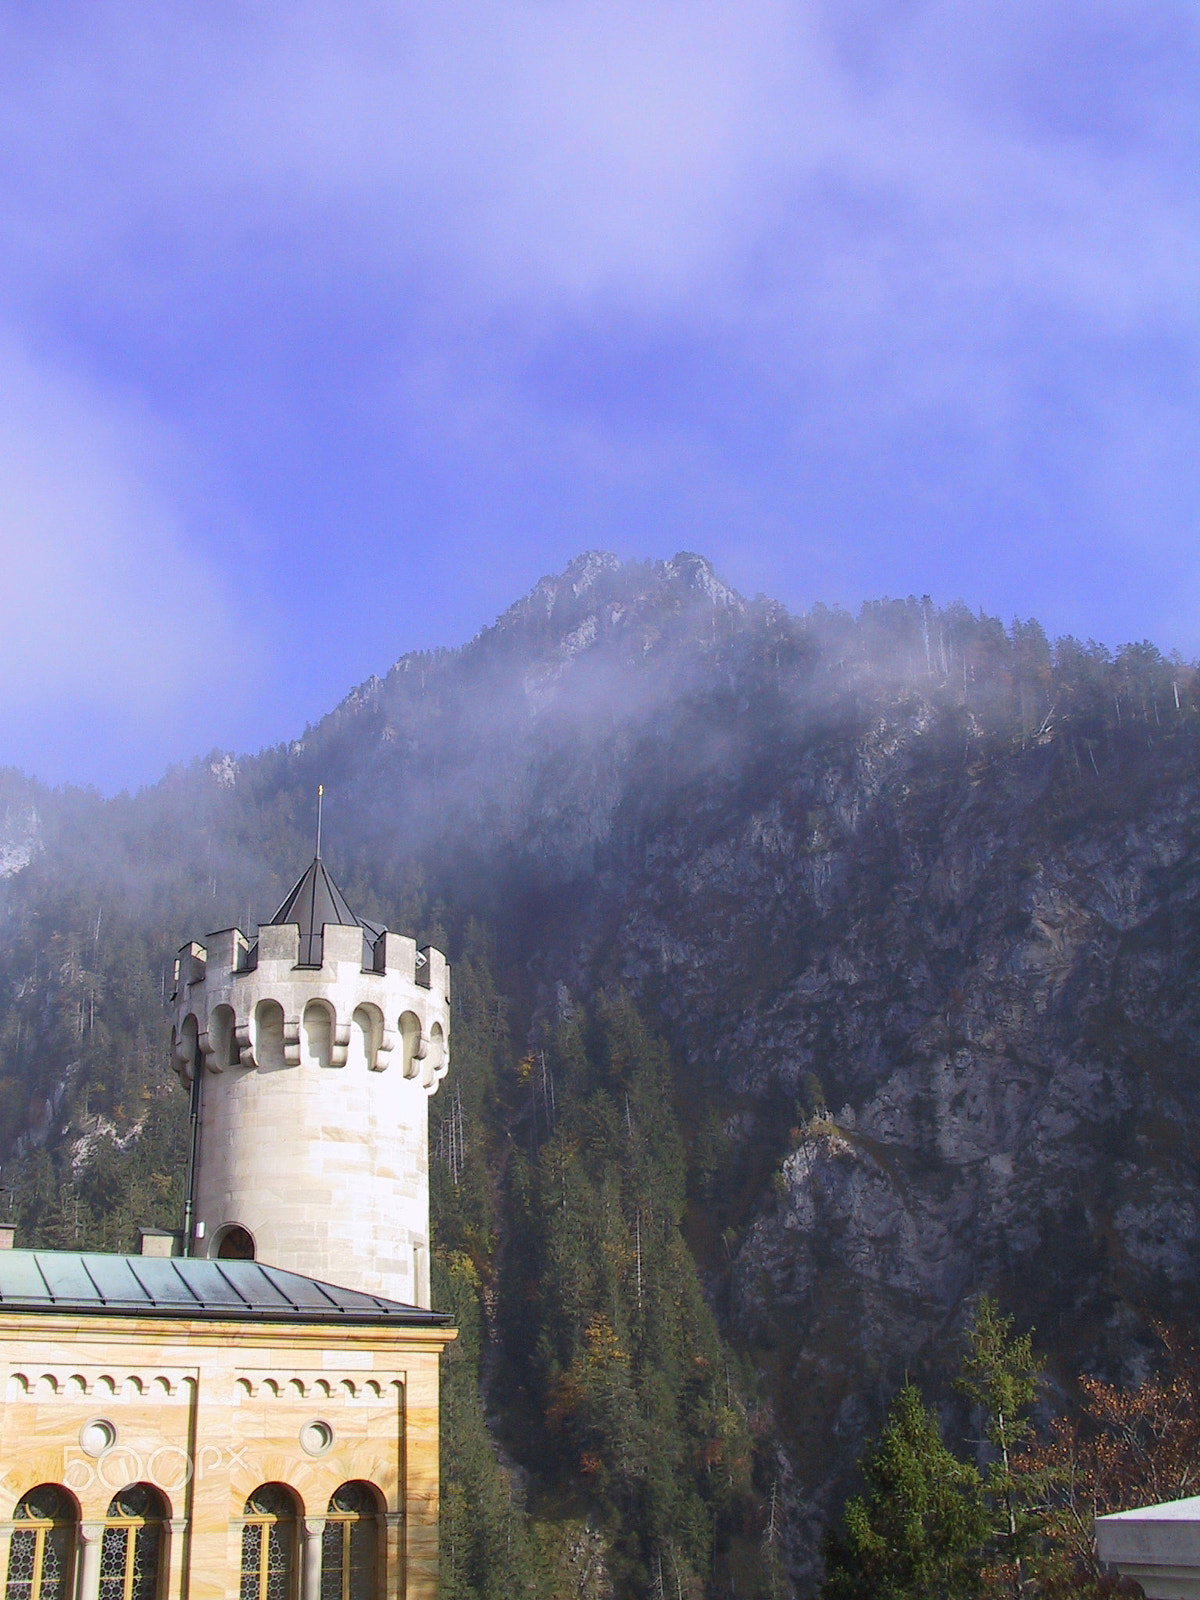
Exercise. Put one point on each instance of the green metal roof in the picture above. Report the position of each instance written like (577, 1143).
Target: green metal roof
(177, 1286)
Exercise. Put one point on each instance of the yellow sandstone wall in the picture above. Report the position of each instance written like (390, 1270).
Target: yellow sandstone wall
(208, 1411)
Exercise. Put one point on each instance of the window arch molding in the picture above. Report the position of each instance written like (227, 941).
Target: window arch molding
(186, 1046)
(235, 1243)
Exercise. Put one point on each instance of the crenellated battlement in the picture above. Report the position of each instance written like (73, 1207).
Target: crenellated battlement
(227, 989)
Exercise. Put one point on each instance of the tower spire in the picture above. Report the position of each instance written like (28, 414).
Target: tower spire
(320, 799)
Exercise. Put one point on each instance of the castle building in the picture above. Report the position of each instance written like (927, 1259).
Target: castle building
(249, 1408)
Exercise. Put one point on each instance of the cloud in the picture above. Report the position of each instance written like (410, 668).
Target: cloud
(875, 293)
(575, 148)
(106, 599)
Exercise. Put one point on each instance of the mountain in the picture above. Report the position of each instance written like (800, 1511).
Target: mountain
(913, 897)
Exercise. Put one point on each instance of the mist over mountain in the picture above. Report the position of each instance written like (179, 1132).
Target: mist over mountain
(913, 897)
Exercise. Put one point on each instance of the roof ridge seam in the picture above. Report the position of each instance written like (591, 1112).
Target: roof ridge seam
(38, 1264)
(272, 1274)
(103, 1298)
(229, 1283)
(183, 1280)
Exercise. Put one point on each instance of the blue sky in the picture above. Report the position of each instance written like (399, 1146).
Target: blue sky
(326, 329)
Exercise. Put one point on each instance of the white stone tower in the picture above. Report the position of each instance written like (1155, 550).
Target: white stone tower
(312, 1052)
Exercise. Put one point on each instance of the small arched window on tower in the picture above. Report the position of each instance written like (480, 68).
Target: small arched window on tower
(366, 1032)
(222, 1035)
(131, 1554)
(350, 1546)
(187, 1047)
(412, 1046)
(433, 1066)
(269, 1545)
(42, 1553)
(318, 1033)
(268, 1035)
(235, 1244)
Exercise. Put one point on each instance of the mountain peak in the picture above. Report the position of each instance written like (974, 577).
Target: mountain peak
(597, 578)
(586, 569)
(696, 572)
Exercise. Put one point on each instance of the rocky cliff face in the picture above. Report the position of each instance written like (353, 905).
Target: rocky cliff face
(915, 897)
(926, 882)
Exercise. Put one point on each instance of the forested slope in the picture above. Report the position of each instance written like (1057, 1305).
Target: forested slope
(813, 973)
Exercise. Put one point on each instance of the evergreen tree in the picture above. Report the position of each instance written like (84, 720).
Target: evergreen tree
(917, 1532)
(999, 1377)
(484, 1542)
(629, 1401)
(483, 1539)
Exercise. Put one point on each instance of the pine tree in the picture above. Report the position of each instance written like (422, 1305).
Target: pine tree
(917, 1532)
(999, 1377)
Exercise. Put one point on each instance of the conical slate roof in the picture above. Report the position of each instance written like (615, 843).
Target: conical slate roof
(314, 901)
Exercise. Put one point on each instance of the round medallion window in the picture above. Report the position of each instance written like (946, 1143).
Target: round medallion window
(97, 1436)
(316, 1437)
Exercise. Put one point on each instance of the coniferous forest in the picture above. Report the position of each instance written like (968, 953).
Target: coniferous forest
(814, 1183)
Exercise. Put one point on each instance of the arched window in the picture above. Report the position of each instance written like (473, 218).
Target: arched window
(235, 1244)
(318, 1034)
(350, 1545)
(412, 1046)
(269, 1544)
(42, 1551)
(130, 1554)
(366, 1031)
(434, 1065)
(187, 1047)
(222, 1036)
(268, 1035)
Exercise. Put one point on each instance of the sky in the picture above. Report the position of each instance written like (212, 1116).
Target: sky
(327, 329)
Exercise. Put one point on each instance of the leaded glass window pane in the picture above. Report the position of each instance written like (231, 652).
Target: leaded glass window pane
(46, 1503)
(268, 1544)
(56, 1563)
(349, 1547)
(143, 1578)
(331, 1562)
(279, 1562)
(113, 1553)
(39, 1556)
(362, 1559)
(271, 1500)
(132, 1541)
(138, 1500)
(353, 1497)
(252, 1541)
(21, 1554)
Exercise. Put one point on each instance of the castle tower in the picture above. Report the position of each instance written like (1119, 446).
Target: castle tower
(312, 1052)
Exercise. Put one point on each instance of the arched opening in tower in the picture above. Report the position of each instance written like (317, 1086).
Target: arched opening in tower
(235, 1244)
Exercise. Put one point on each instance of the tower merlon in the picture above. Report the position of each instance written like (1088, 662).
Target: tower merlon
(190, 965)
(400, 956)
(343, 945)
(434, 972)
(227, 950)
(279, 942)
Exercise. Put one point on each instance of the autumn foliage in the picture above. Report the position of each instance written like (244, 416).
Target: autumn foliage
(1023, 1525)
